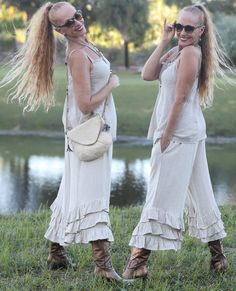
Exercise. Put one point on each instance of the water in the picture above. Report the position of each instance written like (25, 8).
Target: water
(31, 170)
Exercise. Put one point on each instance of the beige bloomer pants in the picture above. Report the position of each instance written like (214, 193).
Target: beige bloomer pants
(179, 181)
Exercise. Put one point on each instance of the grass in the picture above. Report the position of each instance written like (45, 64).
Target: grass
(24, 252)
(134, 102)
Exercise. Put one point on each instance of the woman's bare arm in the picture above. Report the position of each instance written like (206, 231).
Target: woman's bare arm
(152, 67)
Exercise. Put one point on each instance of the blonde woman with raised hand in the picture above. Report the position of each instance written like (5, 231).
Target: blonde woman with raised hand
(179, 178)
(80, 213)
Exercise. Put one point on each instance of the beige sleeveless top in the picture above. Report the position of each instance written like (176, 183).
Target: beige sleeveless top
(191, 125)
(99, 76)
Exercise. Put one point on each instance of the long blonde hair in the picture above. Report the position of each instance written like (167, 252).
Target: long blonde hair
(214, 57)
(32, 65)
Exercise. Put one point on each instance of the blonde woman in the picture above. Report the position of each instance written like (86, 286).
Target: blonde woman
(80, 213)
(179, 178)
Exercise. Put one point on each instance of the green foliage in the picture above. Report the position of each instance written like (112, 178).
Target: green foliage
(11, 20)
(225, 6)
(8, 26)
(226, 26)
(134, 23)
(30, 6)
(128, 16)
(105, 37)
(158, 12)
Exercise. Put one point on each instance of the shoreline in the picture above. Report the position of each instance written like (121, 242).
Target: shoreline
(140, 140)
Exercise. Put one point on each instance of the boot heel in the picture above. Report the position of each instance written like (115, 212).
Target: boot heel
(58, 258)
(218, 260)
(137, 264)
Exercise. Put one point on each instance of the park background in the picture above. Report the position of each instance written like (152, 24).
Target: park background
(31, 151)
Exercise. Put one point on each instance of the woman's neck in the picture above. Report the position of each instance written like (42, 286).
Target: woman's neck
(82, 40)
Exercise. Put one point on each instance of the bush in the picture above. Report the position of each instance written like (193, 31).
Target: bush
(226, 26)
(6, 43)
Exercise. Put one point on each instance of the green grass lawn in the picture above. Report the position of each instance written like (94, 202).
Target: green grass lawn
(24, 252)
(134, 100)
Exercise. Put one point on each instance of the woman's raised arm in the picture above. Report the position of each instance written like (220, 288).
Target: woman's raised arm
(152, 67)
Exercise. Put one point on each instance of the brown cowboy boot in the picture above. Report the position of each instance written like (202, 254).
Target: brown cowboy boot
(218, 259)
(57, 258)
(102, 259)
(137, 264)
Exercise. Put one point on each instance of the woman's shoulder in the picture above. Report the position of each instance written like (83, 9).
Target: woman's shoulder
(77, 55)
(78, 62)
(191, 51)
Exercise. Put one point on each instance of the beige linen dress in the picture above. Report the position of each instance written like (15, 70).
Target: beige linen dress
(80, 213)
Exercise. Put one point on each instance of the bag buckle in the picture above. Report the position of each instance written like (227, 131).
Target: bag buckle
(106, 127)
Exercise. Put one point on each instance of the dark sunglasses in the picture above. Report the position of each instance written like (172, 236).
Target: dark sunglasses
(70, 22)
(187, 28)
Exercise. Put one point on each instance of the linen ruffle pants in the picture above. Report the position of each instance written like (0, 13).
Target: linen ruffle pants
(179, 181)
(80, 213)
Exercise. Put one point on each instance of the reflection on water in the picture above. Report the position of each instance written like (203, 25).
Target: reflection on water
(31, 170)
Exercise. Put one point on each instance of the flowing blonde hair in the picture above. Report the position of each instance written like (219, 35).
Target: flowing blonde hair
(32, 65)
(214, 58)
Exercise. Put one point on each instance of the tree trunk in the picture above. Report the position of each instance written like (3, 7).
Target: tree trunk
(126, 47)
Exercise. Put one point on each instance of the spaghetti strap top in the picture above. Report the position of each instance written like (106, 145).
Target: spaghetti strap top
(191, 125)
(99, 76)
(87, 55)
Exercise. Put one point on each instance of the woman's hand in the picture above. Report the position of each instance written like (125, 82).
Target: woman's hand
(114, 81)
(164, 143)
(168, 32)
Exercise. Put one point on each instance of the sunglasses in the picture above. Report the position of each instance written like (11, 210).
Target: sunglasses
(71, 21)
(187, 28)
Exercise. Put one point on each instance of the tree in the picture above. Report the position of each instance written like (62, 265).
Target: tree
(225, 6)
(129, 17)
(30, 6)
(226, 26)
(11, 20)
(158, 11)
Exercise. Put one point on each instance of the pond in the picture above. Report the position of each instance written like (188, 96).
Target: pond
(31, 169)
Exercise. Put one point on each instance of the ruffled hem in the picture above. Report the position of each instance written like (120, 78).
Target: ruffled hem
(162, 217)
(205, 221)
(99, 231)
(213, 232)
(80, 226)
(207, 228)
(154, 243)
(156, 228)
(80, 212)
